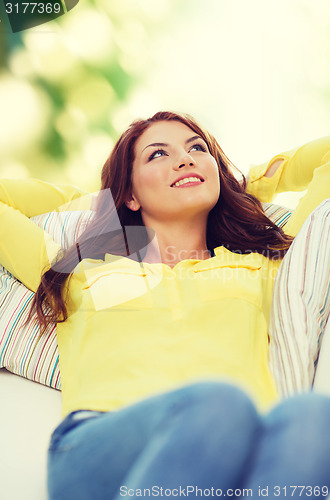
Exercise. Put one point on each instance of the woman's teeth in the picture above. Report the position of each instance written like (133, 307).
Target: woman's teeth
(186, 180)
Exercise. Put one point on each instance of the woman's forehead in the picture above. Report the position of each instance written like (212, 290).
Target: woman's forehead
(163, 132)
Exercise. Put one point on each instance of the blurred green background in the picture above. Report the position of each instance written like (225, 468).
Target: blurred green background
(255, 73)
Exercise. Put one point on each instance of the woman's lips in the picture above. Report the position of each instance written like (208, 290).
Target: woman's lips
(188, 181)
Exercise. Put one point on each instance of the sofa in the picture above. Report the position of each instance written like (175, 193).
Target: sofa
(29, 412)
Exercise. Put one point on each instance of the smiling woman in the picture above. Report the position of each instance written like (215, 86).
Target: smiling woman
(190, 221)
(162, 324)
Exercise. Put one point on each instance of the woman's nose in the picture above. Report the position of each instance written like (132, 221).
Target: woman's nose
(185, 160)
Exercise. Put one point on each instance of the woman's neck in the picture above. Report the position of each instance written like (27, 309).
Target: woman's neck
(176, 242)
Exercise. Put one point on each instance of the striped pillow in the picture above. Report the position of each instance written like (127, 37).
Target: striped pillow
(22, 350)
(279, 215)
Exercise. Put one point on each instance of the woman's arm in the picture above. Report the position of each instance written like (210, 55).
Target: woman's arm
(34, 197)
(318, 190)
(26, 250)
(295, 170)
(289, 171)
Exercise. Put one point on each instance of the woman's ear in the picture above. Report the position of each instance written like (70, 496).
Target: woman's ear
(132, 203)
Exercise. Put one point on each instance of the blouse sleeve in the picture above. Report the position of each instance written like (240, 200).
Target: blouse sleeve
(34, 197)
(305, 167)
(318, 190)
(26, 250)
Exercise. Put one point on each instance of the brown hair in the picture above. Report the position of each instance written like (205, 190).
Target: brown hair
(237, 221)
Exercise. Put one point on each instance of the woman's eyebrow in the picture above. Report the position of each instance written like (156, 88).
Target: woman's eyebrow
(194, 139)
(157, 144)
(163, 144)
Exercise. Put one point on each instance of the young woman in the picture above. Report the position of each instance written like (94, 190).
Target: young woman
(162, 308)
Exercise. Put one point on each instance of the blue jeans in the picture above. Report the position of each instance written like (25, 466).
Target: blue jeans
(190, 440)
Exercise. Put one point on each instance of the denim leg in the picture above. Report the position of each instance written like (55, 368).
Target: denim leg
(294, 449)
(200, 435)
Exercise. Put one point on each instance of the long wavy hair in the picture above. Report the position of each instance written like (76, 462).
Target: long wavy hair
(237, 221)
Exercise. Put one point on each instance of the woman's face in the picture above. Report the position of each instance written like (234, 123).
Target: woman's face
(174, 175)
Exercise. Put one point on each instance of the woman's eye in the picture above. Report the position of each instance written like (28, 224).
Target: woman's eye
(198, 147)
(157, 154)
